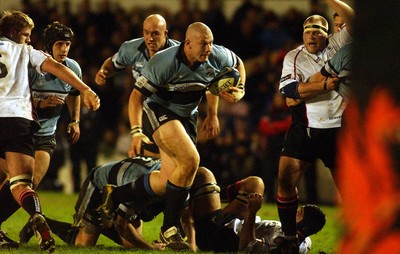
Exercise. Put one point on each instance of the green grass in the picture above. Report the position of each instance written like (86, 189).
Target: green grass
(61, 207)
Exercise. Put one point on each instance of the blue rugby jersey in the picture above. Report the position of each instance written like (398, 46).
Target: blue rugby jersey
(168, 81)
(47, 85)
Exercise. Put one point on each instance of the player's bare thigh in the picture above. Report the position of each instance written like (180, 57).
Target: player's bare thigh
(176, 145)
(19, 164)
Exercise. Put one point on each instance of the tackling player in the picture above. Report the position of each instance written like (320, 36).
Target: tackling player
(17, 121)
(125, 228)
(316, 112)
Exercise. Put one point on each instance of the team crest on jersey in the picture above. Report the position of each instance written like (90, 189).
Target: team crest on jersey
(289, 76)
(139, 64)
(141, 81)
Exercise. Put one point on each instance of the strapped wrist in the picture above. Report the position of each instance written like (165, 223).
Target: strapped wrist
(325, 83)
(136, 129)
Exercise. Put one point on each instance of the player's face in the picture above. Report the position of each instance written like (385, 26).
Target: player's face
(154, 36)
(60, 50)
(337, 24)
(201, 48)
(314, 41)
(22, 37)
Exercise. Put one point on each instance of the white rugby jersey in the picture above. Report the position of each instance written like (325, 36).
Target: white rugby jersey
(15, 93)
(325, 110)
(267, 231)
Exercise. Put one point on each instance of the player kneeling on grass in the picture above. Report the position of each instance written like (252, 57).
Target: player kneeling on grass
(125, 227)
(236, 226)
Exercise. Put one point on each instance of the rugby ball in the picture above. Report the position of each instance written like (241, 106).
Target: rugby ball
(226, 78)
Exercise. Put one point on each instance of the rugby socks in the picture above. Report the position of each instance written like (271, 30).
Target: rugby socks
(287, 209)
(7, 203)
(176, 201)
(29, 200)
(138, 191)
(230, 192)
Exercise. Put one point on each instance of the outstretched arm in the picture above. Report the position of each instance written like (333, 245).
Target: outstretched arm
(344, 11)
(131, 236)
(247, 234)
(90, 98)
(106, 71)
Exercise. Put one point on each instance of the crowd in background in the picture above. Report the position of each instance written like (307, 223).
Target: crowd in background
(252, 130)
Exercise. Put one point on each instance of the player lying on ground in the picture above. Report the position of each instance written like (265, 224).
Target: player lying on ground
(236, 227)
(126, 227)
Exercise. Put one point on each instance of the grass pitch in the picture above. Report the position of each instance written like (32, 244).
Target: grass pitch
(60, 206)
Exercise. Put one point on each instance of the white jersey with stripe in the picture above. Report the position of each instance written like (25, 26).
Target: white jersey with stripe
(267, 231)
(15, 93)
(325, 110)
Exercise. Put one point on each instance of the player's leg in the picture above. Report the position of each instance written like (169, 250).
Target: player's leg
(20, 167)
(236, 194)
(8, 205)
(176, 145)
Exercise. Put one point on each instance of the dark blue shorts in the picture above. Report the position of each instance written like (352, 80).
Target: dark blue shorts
(16, 135)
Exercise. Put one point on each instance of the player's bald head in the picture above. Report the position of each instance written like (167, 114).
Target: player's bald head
(156, 20)
(198, 30)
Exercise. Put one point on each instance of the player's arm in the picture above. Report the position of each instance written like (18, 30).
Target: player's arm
(135, 111)
(131, 236)
(90, 98)
(344, 11)
(211, 123)
(74, 108)
(248, 235)
(236, 93)
(316, 85)
(106, 71)
(188, 228)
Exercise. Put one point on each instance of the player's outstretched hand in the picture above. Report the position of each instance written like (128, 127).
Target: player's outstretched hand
(254, 201)
(101, 77)
(91, 100)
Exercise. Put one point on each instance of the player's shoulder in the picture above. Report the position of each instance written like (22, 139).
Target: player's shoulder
(74, 66)
(172, 42)
(132, 44)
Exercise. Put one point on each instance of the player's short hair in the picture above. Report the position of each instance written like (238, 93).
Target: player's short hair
(316, 23)
(313, 220)
(14, 20)
(56, 32)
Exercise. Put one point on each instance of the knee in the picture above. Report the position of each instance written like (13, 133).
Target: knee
(190, 163)
(252, 184)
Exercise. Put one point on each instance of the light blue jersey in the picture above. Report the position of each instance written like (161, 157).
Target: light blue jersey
(340, 66)
(47, 85)
(168, 81)
(134, 53)
(124, 171)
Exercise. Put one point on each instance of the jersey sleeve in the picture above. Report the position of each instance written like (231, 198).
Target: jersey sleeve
(288, 71)
(36, 58)
(123, 57)
(224, 57)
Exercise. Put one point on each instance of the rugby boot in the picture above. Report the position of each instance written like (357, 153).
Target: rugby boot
(173, 239)
(6, 242)
(26, 233)
(106, 209)
(43, 233)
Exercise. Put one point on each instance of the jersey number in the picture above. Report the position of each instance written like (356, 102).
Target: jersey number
(3, 70)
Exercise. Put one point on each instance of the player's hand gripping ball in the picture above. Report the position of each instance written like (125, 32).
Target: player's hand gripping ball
(228, 77)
